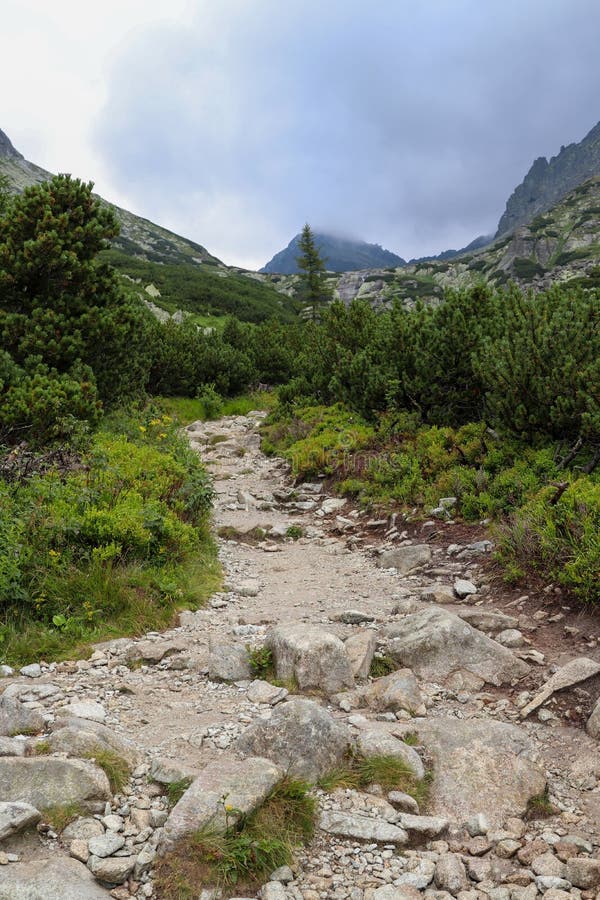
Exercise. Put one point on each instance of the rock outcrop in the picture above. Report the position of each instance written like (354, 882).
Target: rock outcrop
(436, 643)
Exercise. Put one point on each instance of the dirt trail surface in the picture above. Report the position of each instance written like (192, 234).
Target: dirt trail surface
(326, 587)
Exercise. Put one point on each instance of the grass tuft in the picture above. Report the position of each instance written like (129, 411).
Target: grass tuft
(540, 807)
(176, 789)
(62, 814)
(117, 770)
(261, 662)
(240, 859)
(390, 772)
(381, 666)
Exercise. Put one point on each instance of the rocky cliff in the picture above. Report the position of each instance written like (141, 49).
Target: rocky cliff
(548, 181)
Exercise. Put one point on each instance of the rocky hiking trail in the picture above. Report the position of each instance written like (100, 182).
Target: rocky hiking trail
(494, 702)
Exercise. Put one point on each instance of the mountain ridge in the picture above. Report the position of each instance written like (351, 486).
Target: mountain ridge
(548, 181)
(191, 279)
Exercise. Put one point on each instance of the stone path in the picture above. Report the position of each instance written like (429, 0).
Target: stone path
(469, 671)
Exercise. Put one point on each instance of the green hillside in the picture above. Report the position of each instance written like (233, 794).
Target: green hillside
(188, 278)
(202, 290)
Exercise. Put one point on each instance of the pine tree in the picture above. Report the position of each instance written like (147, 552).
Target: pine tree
(58, 304)
(70, 336)
(315, 291)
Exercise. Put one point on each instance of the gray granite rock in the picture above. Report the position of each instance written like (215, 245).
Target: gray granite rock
(106, 844)
(300, 736)
(16, 816)
(48, 781)
(436, 643)
(361, 649)
(398, 690)
(49, 879)
(583, 873)
(80, 737)
(112, 869)
(362, 828)
(480, 767)
(241, 785)
(405, 559)
(310, 656)
(228, 661)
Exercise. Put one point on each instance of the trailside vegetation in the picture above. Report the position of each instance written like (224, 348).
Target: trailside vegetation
(491, 396)
(112, 542)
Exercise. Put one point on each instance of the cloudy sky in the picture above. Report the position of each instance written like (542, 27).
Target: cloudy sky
(235, 121)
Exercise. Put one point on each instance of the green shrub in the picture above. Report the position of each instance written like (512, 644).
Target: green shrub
(261, 662)
(113, 545)
(540, 368)
(559, 540)
(527, 268)
(212, 402)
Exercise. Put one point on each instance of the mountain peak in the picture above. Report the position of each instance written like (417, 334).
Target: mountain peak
(549, 180)
(340, 254)
(6, 148)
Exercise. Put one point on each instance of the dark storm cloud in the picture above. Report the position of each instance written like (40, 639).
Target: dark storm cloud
(404, 123)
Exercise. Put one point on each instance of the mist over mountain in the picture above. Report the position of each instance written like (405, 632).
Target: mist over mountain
(340, 254)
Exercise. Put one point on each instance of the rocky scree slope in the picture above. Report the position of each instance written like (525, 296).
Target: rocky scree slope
(477, 694)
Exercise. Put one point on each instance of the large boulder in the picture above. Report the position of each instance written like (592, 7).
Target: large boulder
(310, 656)
(300, 736)
(80, 737)
(480, 767)
(17, 719)
(49, 879)
(48, 781)
(396, 691)
(379, 742)
(435, 644)
(228, 661)
(15, 817)
(361, 649)
(405, 559)
(226, 789)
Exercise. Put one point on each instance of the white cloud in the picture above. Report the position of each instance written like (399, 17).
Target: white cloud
(54, 64)
(234, 121)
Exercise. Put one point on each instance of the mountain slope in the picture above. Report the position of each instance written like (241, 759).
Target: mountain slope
(561, 245)
(191, 279)
(548, 181)
(339, 254)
